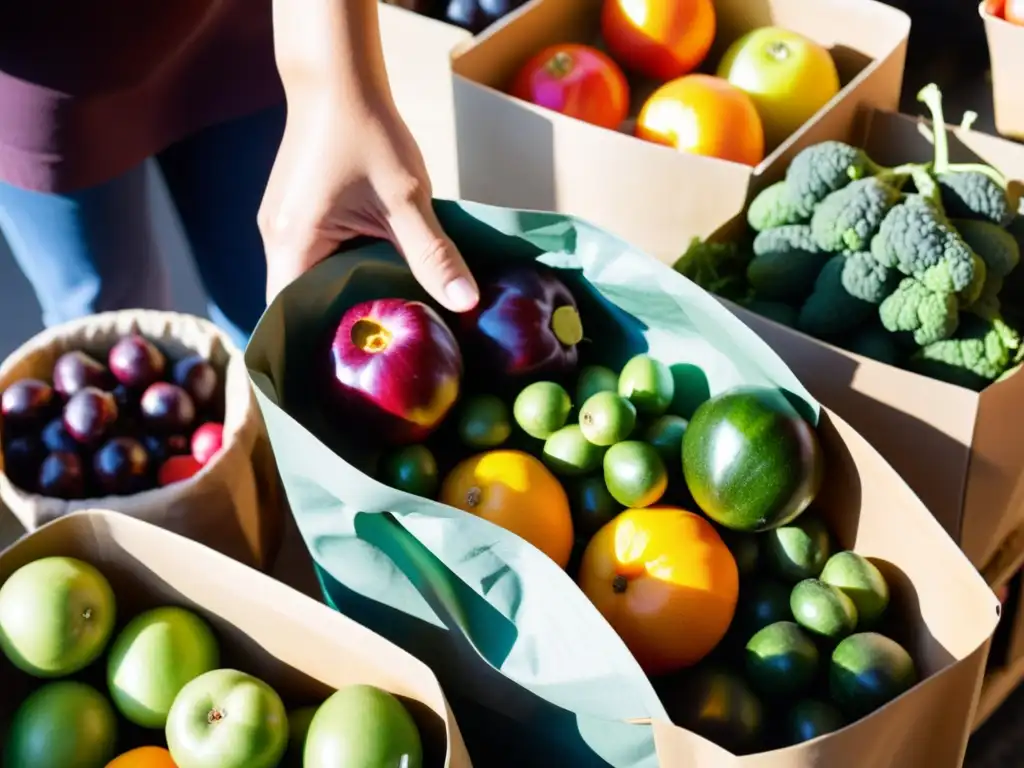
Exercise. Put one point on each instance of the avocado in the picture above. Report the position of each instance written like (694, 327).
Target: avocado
(594, 379)
(607, 418)
(666, 435)
(810, 718)
(484, 422)
(799, 550)
(647, 383)
(867, 671)
(718, 705)
(541, 409)
(781, 660)
(568, 452)
(634, 474)
(761, 602)
(412, 469)
(823, 609)
(861, 580)
(592, 506)
(751, 462)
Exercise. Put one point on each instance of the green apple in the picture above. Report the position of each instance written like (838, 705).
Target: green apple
(365, 726)
(788, 76)
(153, 658)
(57, 615)
(65, 724)
(227, 719)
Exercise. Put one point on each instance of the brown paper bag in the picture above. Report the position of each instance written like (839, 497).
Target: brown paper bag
(299, 647)
(234, 504)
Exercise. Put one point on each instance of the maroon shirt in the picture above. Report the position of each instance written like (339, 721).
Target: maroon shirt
(90, 89)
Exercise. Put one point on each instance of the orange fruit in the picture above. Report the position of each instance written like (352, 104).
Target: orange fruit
(665, 581)
(660, 39)
(704, 115)
(516, 491)
(144, 757)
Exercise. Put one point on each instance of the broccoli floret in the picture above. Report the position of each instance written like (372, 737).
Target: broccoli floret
(978, 354)
(847, 219)
(876, 343)
(830, 310)
(823, 168)
(916, 236)
(915, 309)
(774, 207)
(786, 263)
(781, 313)
(718, 268)
(868, 280)
(997, 247)
(968, 190)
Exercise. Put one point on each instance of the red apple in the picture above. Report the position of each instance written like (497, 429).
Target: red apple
(525, 324)
(206, 441)
(396, 369)
(177, 468)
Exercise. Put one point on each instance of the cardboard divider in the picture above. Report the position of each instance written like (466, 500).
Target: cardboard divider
(958, 449)
(518, 155)
(1006, 52)
(299, 647)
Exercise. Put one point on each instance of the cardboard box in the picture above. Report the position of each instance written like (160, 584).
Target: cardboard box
(517, 155)
(960, 450)
(417, 52)
(1006, 52)
(301, 648)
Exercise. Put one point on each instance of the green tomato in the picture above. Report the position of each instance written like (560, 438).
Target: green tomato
(65, 724)
(227, 719)
(56, 616)
(361, 725)
(156, 655)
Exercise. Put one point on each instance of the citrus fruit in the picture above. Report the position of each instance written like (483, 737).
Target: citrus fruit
(514, 490)
(607, 418)
(781, 660)
(635, 474)
(859, 578)
(594, 379)
(542, 409)
(704, 115)
(665, 581)
(648, 384)
(823, 609)
(658, 39)
(799, 550)
(144, 757)
(568, 452)
(868, 671)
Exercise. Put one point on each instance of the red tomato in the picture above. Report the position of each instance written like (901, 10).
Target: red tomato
(994, 7)
(576, 80)
(1013, 12)
(660, 39)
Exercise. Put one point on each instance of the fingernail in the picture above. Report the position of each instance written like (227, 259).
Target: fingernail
(461, 293)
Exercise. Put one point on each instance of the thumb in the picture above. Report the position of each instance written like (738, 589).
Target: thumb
(433, 258)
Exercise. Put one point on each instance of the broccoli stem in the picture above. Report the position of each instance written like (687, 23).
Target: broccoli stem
(931, 97)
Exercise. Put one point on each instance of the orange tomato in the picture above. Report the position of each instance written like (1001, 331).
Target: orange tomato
(577, 81)
(665, 581)
(516, 491)
(994, 7)
(1013, 12)
(660, 39)
(144, 757)
(704, 115)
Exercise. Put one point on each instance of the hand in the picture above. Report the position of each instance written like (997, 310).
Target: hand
(344, 171)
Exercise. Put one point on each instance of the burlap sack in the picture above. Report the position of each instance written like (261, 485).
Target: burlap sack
(234, 504)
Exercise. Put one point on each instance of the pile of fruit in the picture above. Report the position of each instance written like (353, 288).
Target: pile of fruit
(93, 430)
(915, 266)
(768, 83)
(660, 519)
(163, 677)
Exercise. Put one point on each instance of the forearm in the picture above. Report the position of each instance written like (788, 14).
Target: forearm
(330, 48)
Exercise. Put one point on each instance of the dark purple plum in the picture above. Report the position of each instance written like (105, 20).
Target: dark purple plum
(122, 467)
(196, 376)
(56, 438)
(62, 476)
(22, 456)
(167, 409)
(89, 415)
(76, 370)
(27, 403)
(162, 447)
(136, 362)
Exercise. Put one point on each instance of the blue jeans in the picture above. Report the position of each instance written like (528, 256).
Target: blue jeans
(96, 250)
